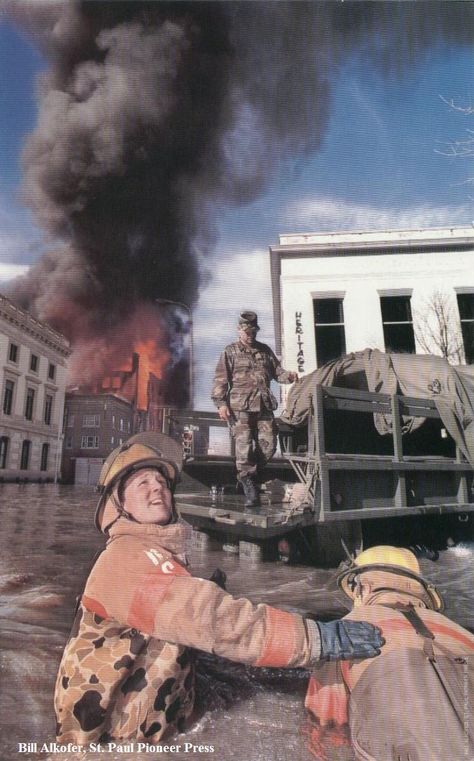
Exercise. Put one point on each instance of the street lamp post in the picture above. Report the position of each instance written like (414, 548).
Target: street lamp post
(187, 308)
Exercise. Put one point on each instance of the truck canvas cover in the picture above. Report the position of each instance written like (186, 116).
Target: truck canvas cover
(413, 375)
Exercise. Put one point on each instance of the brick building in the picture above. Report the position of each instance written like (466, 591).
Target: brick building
(94, 425)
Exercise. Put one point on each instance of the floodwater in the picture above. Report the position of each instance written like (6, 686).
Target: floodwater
(48, 543)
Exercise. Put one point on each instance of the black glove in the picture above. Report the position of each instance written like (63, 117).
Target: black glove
(219, 578)
(347, 640)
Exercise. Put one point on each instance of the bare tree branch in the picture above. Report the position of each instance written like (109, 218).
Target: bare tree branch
(437, 328)
(459, 148)
(456, 107)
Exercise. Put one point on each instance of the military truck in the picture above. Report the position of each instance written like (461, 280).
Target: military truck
(360, 458)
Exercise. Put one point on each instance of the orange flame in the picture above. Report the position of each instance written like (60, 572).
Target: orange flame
(153, 362)
(130, 360)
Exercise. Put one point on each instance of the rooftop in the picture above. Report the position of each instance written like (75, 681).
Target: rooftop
(370, 237)
(39, 330)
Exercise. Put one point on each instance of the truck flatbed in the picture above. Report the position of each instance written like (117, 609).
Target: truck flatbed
(228, 514)
(350, 474)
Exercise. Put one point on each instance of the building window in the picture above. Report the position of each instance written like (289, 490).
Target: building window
(44, 457)
(329, 329)
(29, 403)
(8, 397)
(48, 408)
(25, 455)
(91, 421)
(89, 442)
(34, 363)
(69, 420)
(51, 371)
(69, 441)
(4, 442)
(112, 441)
(121, 427)
(113, 421)
(466, 313)
(397, 321)
(13, 353)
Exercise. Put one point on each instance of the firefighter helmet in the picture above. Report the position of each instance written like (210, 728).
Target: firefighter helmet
(394, 560)
(144, 450)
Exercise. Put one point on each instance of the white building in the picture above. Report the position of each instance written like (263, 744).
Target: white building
(33, 360)
(335, 293)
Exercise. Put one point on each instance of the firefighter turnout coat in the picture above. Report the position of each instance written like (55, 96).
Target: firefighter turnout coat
(415, 701)
(126, 672)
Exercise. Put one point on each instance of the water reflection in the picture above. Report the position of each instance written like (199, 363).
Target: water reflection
(48, 543)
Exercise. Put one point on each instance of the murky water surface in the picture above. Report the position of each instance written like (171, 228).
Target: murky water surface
(47, 545)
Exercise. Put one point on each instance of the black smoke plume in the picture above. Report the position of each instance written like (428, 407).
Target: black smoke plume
(155, 116)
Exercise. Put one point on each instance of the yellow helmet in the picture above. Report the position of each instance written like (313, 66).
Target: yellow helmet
(144, 450)
(396, 560)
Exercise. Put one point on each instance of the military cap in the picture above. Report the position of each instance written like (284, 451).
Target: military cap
(248, 319)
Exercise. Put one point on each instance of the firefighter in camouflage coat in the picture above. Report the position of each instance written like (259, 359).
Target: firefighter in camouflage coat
(126, 671)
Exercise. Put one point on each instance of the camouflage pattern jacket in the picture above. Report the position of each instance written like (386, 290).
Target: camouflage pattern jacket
(126, 671)
(405, 704)
(243, 375)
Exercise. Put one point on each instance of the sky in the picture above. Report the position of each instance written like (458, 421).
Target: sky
(383, 162)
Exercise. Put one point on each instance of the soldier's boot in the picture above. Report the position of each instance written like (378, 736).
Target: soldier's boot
(252, 497)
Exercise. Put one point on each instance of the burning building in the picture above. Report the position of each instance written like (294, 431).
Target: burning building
(149, 364)
(154, 117)
(136, 385)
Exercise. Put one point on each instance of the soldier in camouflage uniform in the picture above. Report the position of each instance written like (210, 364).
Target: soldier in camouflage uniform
(242, 395)
(126, 672)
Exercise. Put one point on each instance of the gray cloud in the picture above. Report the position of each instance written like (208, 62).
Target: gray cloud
(155, 116)
(327, 213)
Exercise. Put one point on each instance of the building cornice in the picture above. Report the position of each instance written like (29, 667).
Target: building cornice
(33, 327)
(361, 248)
(385, 238)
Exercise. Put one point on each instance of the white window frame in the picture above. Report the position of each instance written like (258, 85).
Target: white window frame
(46, 397)
(33, 402)
(89, 442)
(13, 361)
(91, 421)
(397, 293)
(12, 405)
(328, 296)
(464, 320)
(32, 370)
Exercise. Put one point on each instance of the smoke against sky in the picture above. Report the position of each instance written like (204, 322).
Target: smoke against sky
(155, 117)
